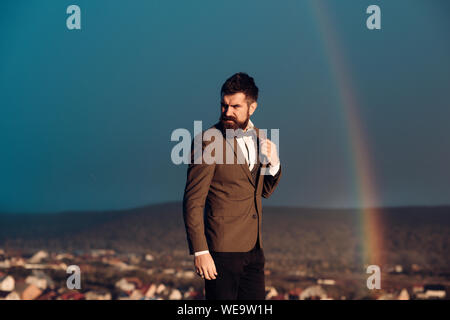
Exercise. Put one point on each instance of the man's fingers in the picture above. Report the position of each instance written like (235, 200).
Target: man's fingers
(263, 143)
(211, 272)
(205, 272)
(206, 268)
(208, 273)
(213, 269)
(266, 146)
(263, 147)
(212, 276)
(269, 149)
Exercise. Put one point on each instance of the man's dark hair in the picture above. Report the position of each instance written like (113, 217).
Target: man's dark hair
(240, 82)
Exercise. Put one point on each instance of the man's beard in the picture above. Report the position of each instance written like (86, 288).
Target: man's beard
(235, 124)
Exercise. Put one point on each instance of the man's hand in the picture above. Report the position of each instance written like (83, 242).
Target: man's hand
(269, 149)
(205, 267)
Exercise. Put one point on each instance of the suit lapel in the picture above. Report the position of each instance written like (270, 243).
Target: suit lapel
(237, 149)
(243, 166)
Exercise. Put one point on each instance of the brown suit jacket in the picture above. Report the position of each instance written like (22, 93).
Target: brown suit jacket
(222, 206)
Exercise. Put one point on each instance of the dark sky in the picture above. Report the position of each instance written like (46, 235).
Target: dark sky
(87, 115)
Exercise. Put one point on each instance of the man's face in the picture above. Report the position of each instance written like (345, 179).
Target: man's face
(235, 111)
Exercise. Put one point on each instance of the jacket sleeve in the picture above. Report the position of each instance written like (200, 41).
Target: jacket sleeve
(199, 177)
(270, 183)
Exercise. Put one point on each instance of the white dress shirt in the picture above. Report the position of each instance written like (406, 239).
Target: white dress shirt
(249, 142)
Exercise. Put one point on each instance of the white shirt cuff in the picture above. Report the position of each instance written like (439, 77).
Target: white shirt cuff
(200, 253)
(273, 170)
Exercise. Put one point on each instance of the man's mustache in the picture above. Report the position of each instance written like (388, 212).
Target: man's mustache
(224, 118)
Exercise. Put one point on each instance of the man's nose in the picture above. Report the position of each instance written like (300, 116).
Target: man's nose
(228, 111)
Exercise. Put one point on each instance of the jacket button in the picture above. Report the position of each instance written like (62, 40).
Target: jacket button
(254, 216)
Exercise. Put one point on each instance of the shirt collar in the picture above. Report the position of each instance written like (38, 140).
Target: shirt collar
(250, 126)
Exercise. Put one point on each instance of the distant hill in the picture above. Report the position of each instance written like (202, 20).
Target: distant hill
(322, 238)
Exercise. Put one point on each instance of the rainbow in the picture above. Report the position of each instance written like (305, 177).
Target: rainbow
(369, 218)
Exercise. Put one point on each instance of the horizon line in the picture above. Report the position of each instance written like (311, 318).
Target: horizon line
(265, 206)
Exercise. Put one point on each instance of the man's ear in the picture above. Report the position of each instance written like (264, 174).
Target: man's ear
(252, 107)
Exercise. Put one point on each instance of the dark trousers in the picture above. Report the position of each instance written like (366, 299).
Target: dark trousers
(240, 276)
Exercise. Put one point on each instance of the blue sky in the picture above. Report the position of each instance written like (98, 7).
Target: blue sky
(86, 115)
